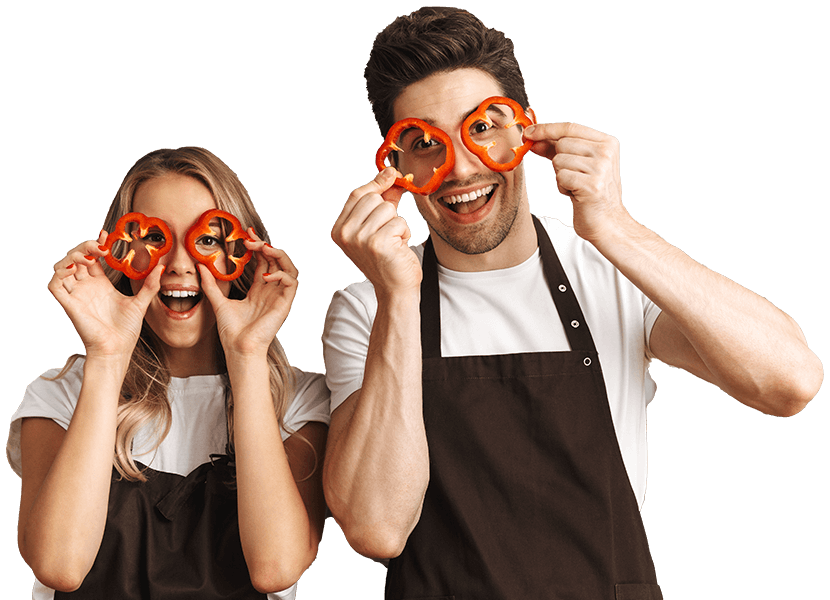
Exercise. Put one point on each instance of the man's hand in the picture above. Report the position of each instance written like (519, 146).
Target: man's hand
(375, 238)
(587, 166)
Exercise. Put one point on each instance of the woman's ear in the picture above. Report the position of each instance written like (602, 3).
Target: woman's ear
(529, 112)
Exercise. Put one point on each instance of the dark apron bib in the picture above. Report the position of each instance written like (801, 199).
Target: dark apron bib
(528, 495)
(171, 537)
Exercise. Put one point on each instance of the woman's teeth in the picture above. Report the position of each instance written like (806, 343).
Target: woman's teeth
(179, 300)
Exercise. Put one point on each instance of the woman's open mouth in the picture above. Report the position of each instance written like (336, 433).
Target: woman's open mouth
(180, 301)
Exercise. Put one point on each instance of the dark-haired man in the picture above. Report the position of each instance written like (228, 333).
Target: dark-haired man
(489, 387)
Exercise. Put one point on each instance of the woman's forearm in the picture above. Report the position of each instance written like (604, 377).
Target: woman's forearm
(278, 538)
(67, 479)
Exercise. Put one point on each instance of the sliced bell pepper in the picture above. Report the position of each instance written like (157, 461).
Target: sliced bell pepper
(430, 132)
(120, 233)
(202, 228)
(480, 114)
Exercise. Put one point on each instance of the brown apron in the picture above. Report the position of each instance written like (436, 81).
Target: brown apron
(171, 538)
(528, 495)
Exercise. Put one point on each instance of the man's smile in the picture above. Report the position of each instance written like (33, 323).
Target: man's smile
(469, 201)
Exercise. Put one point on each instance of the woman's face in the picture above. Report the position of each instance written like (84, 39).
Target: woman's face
(180, 315)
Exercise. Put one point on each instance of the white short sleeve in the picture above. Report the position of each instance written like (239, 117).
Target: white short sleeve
(47, 398)
(310, 402)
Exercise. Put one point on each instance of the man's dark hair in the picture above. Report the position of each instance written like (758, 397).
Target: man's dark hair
(435, 40)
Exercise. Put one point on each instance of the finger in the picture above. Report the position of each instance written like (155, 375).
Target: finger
(570, 162)
(578, 147)
(556, 131)
(209, 286)
(62, 282)
(370, 214)
(396, 228)
(282, 278)
(282, 265)
(150, 287)
(382, 183)
(575, 183)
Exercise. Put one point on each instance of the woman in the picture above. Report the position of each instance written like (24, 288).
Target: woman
(213, 489)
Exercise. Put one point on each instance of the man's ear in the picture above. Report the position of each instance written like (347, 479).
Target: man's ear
(529, 112)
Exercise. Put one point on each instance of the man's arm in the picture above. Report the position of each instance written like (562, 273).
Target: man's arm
(377, 466)
(710, 326)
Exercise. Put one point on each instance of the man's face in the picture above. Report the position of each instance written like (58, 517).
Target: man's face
(474, 209)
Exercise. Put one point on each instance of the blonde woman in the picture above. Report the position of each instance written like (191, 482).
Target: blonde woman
(180, 456)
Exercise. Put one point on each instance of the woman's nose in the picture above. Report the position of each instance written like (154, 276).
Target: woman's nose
(179, 260)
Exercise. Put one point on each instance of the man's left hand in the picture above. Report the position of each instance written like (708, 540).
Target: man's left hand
(587, 166)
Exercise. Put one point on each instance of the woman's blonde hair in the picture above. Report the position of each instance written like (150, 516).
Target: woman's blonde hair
(143, 398)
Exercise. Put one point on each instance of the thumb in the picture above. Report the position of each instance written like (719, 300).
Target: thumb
(150, 287)
(385, 181)
(210, 288)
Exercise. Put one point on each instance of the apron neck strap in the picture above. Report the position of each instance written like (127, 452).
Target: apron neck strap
(570, 313)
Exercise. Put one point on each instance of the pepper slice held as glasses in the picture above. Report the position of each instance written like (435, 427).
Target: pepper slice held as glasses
(421, 152)
(214, 237)
(142, 241)
(486, 133)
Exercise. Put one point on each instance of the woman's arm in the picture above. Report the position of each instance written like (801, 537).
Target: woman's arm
(66, 480)
(66, 474)
(279, 485)
(280, 518)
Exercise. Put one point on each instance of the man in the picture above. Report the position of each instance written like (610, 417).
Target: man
(489, 388)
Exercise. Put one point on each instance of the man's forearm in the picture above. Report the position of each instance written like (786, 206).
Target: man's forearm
(377, 463)
(733, 337)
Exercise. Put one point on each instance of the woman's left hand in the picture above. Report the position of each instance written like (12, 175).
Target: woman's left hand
(248, 326)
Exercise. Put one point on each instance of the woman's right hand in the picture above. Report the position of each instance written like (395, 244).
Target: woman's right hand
(108, 322)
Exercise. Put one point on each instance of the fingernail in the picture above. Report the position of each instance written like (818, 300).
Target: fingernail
(102, 248)
(89, 257)
(71, 266)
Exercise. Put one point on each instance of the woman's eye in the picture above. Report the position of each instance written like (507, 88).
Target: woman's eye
(154, 239)
(208, 241)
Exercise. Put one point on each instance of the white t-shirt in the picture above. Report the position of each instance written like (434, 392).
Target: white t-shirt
(198, 428)
(510, 311)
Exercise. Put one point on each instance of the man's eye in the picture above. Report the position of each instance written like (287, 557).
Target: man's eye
(423, 144)
(479, 127)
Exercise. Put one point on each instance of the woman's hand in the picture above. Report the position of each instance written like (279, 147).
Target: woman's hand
(108, 322)
(248, 326)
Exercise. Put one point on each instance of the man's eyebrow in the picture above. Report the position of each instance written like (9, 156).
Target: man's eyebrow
(494, 107)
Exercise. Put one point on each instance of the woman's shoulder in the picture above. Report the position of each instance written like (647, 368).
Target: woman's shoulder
(310, 401)
(53, 395)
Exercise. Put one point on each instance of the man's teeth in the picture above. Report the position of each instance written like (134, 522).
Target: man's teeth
(468, 196)
(179, 293)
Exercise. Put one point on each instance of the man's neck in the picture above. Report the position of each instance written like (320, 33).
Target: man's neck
(516, 248)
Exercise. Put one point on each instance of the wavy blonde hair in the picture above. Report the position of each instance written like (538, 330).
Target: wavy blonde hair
(143, 398)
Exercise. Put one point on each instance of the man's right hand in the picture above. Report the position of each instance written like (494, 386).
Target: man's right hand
(375, 238)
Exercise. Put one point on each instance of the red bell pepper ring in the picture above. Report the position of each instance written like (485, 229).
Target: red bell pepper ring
(202, 228)
(439, 173)
(145, 224)
(480, 114)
